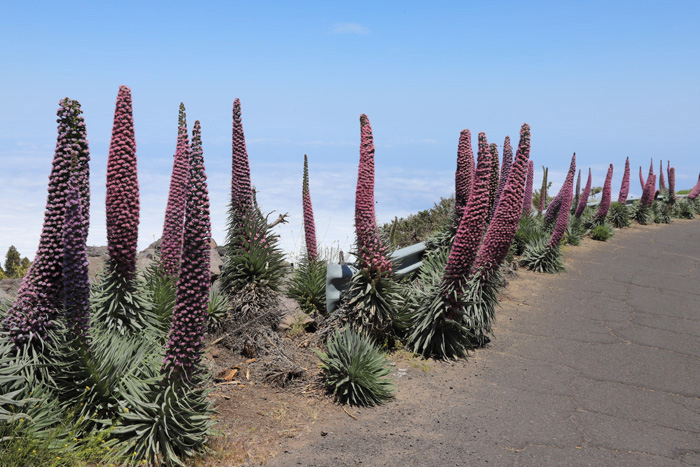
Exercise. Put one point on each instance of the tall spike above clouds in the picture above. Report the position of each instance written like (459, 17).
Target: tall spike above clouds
(464, 174)
(171, 244)
(122, 199)
(309, 225)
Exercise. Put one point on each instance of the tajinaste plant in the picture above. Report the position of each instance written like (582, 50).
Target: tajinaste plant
(662, 179)
(563, 219)
(493, 183)
(122, 199)
(577, 193)
(241, 188)
(625, 186)
(672, 185)
(527, 198)
(121, 304)
(641, 179)
(584, 197)
(649, 191)
(473, 223)
(76, 280)
(505, 171)
(186, 339)
(605, 199)
(464, 174)
(155, 410)
(695, 191)
(41, 296)
(544, 256)
(171, 244)
(437, 322)
(371, 298)
(552, 212)
(371, 254)
(651, 172)
(501, 230)
(668, 169)
(543, 192)
(309, 226)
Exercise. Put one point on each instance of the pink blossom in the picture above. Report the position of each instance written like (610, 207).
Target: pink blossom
(625, 187)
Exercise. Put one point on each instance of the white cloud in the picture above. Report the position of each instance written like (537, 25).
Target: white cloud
(349, 28)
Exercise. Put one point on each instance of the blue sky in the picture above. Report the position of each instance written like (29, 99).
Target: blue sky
(604, 79)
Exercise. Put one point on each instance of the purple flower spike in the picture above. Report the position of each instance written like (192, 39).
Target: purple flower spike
(186, 338)
(566, 192)
(502, 228)
(641, 179)
(527, 199)
(604, 206)
(371, 252)
(552, 213)
(577, 194)
(662, 180)
(695, 191)
(241, 188)
(464, 175)
(668, 169)
(584, 196)
(473, 222)
(76, 280)
(309, 226)
(493, 184)
(672, 184)
(171, 245)
(505, 171)
(649, 192)
(543, 192)
(651, 170)
(41, 294)
(122, 190)
(625, 187)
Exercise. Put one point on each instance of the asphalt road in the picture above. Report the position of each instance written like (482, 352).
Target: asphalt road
(596, 366)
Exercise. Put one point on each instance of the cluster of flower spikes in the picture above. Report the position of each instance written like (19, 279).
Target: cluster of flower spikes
(695, 191)
(502, 228)
(493, 182)
(604, 205)
(649, 191)
(241, 188)
(577, 194)
(309, 225)
(464, 175)
(625, 186)
(543, 191)
(563, 220)
(527, 198)
(668, 169)
(41, 294)
(584, 196)
(472, 225)
(186, 338)
(122, 199)
(370, 251)
(672, 184)
(171, 245)
(76, 279)
(662, 180)
(505, 171)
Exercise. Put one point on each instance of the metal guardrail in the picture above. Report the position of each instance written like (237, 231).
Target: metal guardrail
(406, 260)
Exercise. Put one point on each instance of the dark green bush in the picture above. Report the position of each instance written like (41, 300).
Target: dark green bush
(619, 215)
(420, 226)
(308, 287)
(540, 257)
(601, 233)
(355, 370)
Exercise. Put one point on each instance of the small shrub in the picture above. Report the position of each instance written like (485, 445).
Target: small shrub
(308, 287)
(619, 215)
(355, 370)
(642, 214)
(683, 209)
(601, 233)
(539, 257)
(529, 231)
